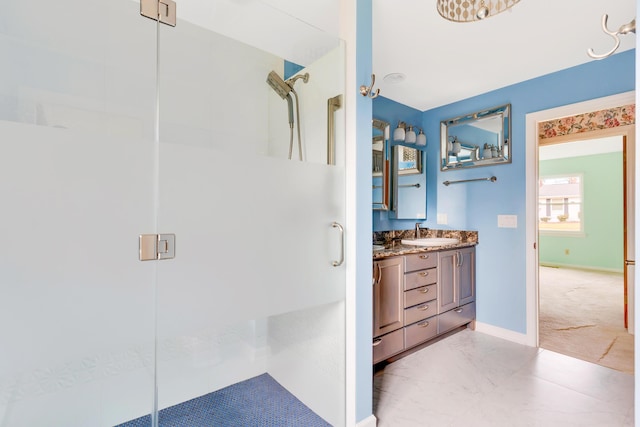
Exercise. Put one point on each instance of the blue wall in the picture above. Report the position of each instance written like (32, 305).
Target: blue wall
(363, 261)
(475, 206)
(501, 293)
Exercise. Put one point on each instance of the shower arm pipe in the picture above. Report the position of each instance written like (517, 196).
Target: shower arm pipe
(333, 105)
(492, 179)
(624, 29)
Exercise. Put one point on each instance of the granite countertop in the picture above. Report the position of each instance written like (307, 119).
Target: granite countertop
(392, 246)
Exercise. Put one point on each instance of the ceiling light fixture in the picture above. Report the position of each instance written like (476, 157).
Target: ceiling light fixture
(472, 10)
(394, 78)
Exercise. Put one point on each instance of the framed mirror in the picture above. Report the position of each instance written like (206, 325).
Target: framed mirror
(380, 164)
(478, 139)
(408, 183)
(407, 160)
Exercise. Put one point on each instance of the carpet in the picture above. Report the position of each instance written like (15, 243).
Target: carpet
(581, 315)
(257, 402)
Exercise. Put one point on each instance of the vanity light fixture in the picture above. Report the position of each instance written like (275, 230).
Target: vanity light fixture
(472, 10)
(405, 133)
(421, 139)
(398, 133)
(410, 137)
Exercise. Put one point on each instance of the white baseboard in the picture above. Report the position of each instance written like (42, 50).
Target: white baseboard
(370, 421)
(505, 334)
(581, 267)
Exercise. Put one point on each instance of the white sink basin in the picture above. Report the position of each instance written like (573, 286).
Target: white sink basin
(431, 241)
(378, 247)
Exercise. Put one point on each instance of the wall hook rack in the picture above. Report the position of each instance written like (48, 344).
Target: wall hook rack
(492, 179)
(367, 90)
(624, 29)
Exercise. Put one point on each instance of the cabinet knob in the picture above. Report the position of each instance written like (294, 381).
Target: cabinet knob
(424, 256)
(424, 273)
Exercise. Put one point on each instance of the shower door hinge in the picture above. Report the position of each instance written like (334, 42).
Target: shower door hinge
(159, 10)
(157, 246)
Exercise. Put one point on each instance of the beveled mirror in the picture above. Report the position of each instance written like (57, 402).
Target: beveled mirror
(380, 165)
(477, 139)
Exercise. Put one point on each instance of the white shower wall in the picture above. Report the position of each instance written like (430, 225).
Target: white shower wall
(77, 179)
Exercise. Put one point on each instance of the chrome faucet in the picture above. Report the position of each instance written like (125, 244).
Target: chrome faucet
(418, 230)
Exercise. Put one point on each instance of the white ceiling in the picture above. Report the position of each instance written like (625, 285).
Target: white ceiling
(446, 62)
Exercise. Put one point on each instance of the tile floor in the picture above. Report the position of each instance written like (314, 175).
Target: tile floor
(473, 379)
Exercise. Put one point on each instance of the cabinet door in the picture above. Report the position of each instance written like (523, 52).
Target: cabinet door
(388, 302)
(447, 294)
(466, 275)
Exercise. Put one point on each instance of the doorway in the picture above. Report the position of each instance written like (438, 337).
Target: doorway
(581, 249)
(587, 108)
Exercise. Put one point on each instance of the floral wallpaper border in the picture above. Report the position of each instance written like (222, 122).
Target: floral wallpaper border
(595, 120)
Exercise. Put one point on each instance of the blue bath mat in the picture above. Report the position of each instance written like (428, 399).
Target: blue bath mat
(257, 402)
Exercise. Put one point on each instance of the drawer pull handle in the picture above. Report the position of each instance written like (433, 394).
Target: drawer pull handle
(424, 273)
(424, 291)
(424, 256)
(377, 342)
(426, 307)
(423, 324)
(458, 310)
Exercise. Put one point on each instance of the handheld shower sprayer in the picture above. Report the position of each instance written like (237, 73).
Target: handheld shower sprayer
(284, 89)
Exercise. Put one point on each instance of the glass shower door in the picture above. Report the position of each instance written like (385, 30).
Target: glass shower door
(252, 295)
(77, 111)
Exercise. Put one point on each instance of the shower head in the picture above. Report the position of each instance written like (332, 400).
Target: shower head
(281, 87)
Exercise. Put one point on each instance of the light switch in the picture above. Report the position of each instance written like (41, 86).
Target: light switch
(442, 218)
(508, 221)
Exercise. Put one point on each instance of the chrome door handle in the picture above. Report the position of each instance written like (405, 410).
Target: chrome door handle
(339, 227)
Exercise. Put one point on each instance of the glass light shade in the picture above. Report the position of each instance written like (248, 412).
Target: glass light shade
(474, 10)
(398, 133)
(421, 139)
(410, 137)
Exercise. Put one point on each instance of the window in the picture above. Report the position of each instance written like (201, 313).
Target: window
(560, 204)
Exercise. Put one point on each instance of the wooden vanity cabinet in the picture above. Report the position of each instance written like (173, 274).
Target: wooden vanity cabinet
(456, 288)
(388, 308)
(416, 297)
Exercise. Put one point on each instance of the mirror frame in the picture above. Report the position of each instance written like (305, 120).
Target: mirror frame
(503, 152)
(380, 134)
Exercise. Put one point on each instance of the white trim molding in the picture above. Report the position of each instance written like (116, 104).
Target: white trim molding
(370, 421)
(531, 183)
(505, 334)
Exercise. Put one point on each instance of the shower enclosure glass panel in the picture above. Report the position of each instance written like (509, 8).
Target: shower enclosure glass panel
(252, 289)
(77, 103)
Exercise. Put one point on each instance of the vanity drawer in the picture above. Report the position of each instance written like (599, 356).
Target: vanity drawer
(456, 317)
(420, 278)
(387, 345)
(420, 312)
(420, 332)
(420, 261)
(420, 295)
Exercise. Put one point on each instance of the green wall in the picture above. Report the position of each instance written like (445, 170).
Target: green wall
(601, 246)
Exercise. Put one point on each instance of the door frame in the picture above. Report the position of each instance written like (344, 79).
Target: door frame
(531, 195)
